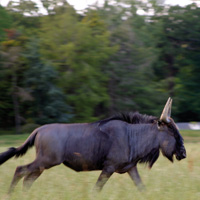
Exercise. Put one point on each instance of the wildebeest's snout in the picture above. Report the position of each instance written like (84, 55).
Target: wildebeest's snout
(181, 154)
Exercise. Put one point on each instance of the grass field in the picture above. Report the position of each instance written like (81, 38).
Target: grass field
(165, 181)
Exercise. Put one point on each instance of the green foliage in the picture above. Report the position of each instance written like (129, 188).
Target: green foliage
(177, 64)
(11, 68)
(78, 49)
(5, 22)
(25, 7)
(29, 127)
(131, 86)
(47, 104)
(105, 60)
(189, 64)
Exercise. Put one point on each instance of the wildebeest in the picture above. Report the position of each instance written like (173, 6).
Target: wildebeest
(115, 144)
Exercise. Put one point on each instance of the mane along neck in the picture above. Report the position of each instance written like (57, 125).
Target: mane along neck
(131, 118)
(143, 144)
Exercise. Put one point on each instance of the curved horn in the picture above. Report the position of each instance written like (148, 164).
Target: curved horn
(166, 113)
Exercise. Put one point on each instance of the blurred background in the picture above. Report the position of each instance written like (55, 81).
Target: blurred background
(81, 61)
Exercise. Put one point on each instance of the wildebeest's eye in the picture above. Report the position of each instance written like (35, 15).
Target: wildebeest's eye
(171, 129)
(160, 125)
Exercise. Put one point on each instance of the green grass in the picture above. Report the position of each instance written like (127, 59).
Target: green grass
(13, 140)
(191, 135)
(165, 181)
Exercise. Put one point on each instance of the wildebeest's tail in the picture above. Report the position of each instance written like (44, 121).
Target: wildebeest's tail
(20, 151)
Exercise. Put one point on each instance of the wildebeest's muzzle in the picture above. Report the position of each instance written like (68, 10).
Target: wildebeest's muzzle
(181, 153)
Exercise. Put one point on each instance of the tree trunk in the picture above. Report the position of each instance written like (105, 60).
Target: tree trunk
(16, 104)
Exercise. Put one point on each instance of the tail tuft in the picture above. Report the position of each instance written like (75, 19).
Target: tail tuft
(20, 151)
(7, 155)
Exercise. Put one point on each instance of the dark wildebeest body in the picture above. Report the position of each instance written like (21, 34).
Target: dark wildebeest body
(112, 145)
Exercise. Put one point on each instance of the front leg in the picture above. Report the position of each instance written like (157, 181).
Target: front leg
(133, 173)
(104, 176)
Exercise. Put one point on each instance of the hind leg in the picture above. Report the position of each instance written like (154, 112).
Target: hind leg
(20, 172)
(30, 178)
(24, 171)
(32, 171)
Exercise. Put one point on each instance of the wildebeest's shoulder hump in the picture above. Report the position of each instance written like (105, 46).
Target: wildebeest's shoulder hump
(113, 126)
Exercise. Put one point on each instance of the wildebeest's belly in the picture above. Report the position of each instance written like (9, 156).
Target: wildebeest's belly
(83, 165)
(83, 159)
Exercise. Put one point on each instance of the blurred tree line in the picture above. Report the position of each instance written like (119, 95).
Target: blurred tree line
(66, 66)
